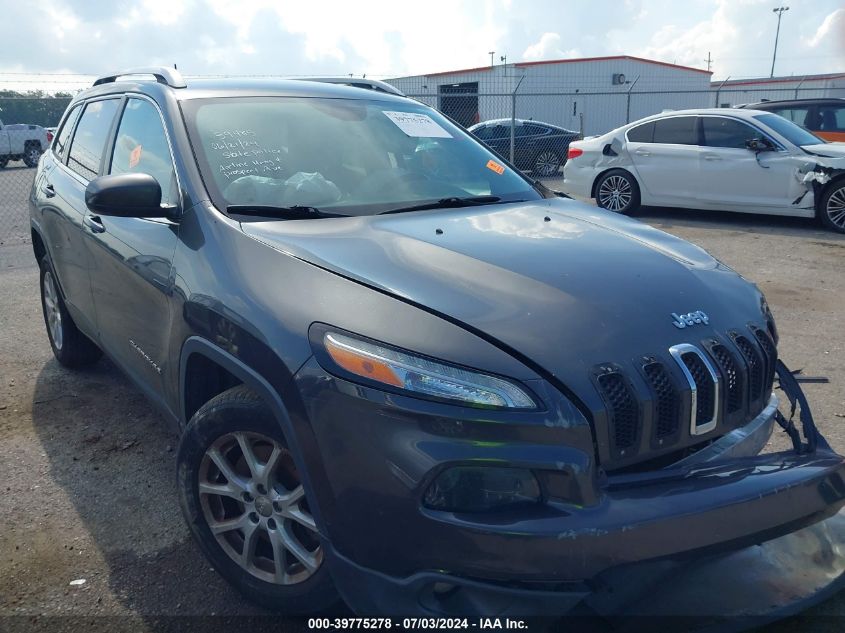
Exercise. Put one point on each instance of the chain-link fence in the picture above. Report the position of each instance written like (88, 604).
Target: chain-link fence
(525, 122)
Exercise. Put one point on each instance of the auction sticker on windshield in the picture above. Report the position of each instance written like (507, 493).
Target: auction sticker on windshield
(418, 125)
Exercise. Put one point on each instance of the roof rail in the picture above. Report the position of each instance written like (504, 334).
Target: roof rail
(163, 75)
(355, 82)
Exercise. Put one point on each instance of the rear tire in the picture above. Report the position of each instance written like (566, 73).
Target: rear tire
(831, 210)
(31, 154)
(264, 540)
(3, 163)
(618, 191)
(547, 163)
(70, 346)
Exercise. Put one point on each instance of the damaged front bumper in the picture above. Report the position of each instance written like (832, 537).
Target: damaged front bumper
(725, 533)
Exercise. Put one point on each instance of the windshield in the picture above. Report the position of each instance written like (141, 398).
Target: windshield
(345, 156)
(793, 133)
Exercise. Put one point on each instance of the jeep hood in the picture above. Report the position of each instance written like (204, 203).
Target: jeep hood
(560, 283)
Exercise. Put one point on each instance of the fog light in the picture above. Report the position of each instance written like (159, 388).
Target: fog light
(479, 488)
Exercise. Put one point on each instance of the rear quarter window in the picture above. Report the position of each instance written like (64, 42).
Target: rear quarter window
(642, 133)
(61, 141)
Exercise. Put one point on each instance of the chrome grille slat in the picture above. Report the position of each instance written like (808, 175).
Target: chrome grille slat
(704, 387)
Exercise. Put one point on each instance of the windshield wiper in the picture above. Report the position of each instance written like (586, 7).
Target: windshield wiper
(449, 203)
(296, 212)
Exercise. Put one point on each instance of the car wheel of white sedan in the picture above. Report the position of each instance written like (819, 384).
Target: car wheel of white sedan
(617, 191)
(832, 207)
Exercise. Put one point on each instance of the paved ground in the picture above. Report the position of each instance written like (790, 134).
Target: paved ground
(88, 466)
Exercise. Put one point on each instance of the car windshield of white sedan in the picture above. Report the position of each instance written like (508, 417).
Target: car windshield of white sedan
(342, 156)
(793, 133)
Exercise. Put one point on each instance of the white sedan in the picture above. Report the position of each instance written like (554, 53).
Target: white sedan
(722, 159)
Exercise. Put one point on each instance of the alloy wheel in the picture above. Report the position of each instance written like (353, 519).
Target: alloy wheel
(52, 310)
(615, 193)
(547, 163)
(255, 506)
(836, 207)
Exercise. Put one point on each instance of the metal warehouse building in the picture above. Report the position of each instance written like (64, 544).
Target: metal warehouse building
(592, 94)
(736, 91)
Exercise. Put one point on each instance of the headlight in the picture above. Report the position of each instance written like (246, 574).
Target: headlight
(419, 375)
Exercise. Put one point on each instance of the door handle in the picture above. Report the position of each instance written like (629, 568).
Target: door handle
(48, 191)
(94, 223)
(642, 152)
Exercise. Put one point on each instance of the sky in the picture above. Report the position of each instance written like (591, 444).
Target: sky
(394, 38)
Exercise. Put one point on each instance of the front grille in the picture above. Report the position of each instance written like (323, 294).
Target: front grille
(756, 368)
(623, 409)
(667, 402)
(654, 404)
(734, 388)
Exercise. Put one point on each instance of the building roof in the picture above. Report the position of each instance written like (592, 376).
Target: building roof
(755, 81)
(573, 61)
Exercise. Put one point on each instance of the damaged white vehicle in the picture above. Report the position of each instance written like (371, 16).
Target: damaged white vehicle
(728, 160)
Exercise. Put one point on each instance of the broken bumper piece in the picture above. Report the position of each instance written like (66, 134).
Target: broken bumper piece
(726, 540)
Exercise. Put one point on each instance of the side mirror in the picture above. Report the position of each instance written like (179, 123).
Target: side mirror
(125, 196)
(759, 145)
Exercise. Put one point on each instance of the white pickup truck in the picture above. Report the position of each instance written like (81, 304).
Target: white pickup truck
(22, 142)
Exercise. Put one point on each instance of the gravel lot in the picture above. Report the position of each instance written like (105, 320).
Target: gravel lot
(88, 465)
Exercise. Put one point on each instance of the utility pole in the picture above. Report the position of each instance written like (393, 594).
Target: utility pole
(709, 61)
(779, 11)
(491, 53)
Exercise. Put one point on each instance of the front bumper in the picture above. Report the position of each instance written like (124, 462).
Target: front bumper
(723, 507)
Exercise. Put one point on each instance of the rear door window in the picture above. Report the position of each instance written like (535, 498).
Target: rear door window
(535, 130)
(62, 138)
(797, 114)
(676, 130)
(832, 118)
(499, 131)
(89, 141)
(724, 132)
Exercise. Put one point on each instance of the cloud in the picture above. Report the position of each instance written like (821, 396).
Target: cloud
(548, 47)
(252, 37)
(832, 28)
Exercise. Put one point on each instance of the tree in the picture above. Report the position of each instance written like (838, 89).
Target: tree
(34, 107)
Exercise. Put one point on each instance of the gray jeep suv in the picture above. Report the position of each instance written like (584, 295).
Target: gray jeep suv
(406, 376)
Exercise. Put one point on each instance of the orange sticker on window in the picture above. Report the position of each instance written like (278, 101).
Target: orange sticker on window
(494, 166)
(134, 157)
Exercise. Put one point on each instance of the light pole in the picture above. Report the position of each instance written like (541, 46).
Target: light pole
(779, 11)
(491, 58)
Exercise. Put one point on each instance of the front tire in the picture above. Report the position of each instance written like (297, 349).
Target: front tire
(70, 346)
(617, 191)
(245, 504)
(3, 163)
(832, 207)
